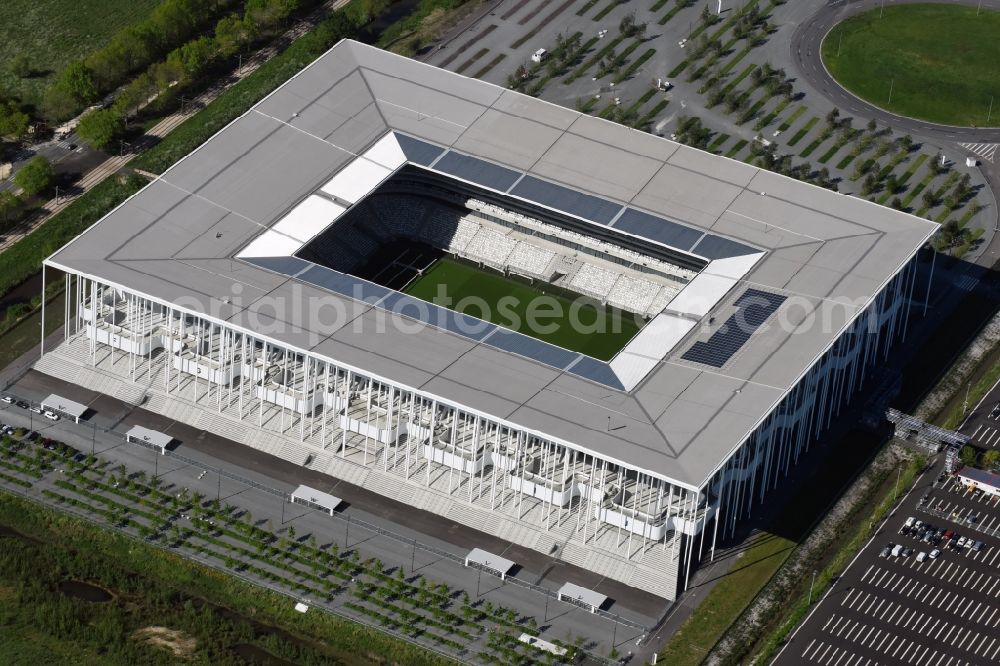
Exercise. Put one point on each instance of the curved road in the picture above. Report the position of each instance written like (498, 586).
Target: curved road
(805, 54)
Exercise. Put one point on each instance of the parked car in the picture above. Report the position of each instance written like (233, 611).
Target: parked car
(934, 554)
(7, 399)
(907, 552)
(961, 541)
(909, 521)
(896, 550)
(36, 410)
(978, 547)
(51, 416)
(885, 552)
(921, 556)
(948, 535)
(22, 404)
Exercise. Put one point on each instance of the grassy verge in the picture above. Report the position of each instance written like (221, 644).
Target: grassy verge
(153, 587)
(606, 10)
(718, 141)
(590, 62)
(725, 602)
(489, 66)
(811, 148)
(787, 123)
(737, 147)
(839, 562)
(801, 133)
(739, 78)
(636, 64)
(834, 149)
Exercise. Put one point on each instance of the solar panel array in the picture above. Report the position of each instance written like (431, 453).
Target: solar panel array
(753, 308)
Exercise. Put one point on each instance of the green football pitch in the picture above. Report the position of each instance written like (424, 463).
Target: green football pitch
(581, 325)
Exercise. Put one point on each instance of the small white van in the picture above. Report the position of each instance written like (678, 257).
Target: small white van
(921, 556)
(897, 550)
(539, 55)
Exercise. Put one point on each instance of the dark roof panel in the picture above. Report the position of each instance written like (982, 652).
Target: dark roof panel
(658, 229)
(567, 200)
(477, 171)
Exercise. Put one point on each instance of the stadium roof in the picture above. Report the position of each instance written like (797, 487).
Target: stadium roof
(177, 241)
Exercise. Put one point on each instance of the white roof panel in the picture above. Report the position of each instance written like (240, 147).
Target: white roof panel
(309, 218)
(649, 346)
(387, 152)
(356, 180)
(269, 243)
(701, 294)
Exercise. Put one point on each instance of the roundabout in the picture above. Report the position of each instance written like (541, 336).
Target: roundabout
(806, 50)
(932, 62)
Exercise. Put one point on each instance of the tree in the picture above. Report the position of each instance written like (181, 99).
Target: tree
(896, 204)
(930, 199)
(36, 176)
(872, 126)
(232, 33)
(193, 57)
(101, 127)
(13, 122)
(833, 118)
(9, 202)
(78, 81)
(990, 459)
(869, 185)
(967, 455)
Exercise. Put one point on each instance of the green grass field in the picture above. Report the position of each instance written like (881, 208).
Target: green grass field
(54, 33)
(941, 62)
(587, 327)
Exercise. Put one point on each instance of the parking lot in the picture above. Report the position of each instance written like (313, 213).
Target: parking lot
(924, 591)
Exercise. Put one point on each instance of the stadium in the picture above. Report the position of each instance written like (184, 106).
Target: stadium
(586, 340)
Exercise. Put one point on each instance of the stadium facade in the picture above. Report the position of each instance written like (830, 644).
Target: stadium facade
(224, 295)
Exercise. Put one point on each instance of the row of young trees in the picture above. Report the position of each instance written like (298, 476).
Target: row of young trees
(179, 68)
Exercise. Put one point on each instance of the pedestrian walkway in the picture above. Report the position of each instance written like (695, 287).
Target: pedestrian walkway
(987, 151)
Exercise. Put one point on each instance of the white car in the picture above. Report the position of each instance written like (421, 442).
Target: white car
(51, 416)
(9, 400)
(539, 55)
(934, 554)
(37, 410)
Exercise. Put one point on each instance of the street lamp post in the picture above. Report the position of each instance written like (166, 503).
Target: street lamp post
(811, 584)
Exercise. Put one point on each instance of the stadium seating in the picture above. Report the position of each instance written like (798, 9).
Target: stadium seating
(593, 280)
(490, 247)
(464, 233)
(660, 301)
(633, 294)
(530, 260)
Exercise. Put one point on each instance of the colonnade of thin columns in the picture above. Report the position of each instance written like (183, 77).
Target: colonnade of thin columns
(339, 412)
